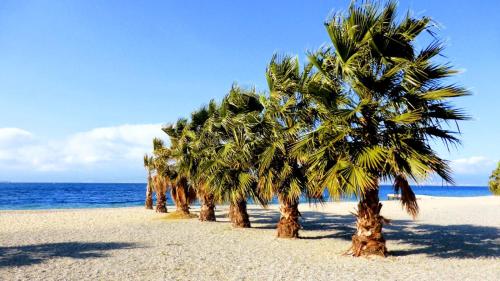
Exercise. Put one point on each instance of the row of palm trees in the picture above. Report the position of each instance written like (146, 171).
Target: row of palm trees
(363, 110)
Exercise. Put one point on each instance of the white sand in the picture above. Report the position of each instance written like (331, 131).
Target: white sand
(453, 239)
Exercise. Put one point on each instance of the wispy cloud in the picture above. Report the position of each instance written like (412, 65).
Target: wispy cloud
(119, 145)
(473, 165)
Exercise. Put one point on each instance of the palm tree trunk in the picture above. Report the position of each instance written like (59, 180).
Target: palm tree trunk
(288, 226)
(149, 197)
(184, 208)
(161, 200)
(180, 197)
(173, 193)
(368, 239)
(238, 214)
(182, 205)
(207, 212)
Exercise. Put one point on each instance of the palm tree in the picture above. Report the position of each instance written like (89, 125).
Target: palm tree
(286, 117)
(386, 102)
(148, 161)
(160, 183)
(494, 182)
(231, 173)
(180, 160)
(189, 143)
(201, 150)
(162, 167)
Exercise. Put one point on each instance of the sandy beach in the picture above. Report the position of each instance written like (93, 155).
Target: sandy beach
(452, 239)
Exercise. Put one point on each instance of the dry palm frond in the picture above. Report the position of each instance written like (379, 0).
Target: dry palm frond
(408, 198)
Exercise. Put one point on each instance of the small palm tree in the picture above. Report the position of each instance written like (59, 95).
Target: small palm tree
(494, 182)
(231, 172)
(163, 169)
(180, 160)
(189, 151)
(385, 102)
(148, 164)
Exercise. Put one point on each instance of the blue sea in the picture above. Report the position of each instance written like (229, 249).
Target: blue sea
(15, 196)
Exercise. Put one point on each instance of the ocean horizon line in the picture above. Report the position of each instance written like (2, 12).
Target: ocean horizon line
(120, 182)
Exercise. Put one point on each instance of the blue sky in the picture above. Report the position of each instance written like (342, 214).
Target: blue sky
(85, 85)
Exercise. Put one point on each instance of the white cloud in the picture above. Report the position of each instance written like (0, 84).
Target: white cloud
(473, 165)
(11, 136)
(120, 145)
(115, 154)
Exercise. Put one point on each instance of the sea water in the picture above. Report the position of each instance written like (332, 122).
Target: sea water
(15, 196)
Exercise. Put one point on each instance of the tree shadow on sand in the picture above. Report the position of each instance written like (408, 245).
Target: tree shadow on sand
(445, 241)
(441, 241)
(33, 254)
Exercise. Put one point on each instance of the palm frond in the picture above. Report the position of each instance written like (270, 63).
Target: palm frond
(408, 198)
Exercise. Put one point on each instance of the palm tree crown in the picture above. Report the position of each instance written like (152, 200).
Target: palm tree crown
(231, 171)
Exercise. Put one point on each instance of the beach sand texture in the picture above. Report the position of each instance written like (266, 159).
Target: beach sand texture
(452, 239)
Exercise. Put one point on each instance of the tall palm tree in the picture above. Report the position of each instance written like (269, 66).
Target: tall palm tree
(231, 170)
(180, 160)
(387, 102)
(286, 117)
(201, 150)
(148, 164)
